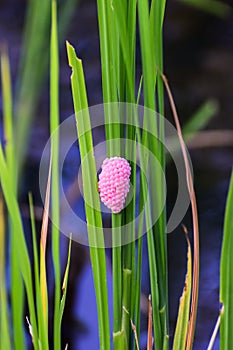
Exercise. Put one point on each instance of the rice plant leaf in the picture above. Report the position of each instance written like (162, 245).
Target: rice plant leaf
(55, 184)
(184, 307)
(17, 292)
(93, 214)
(226, 275)
(65, 281)
(18, 237)
(40, 314)
(5, 341)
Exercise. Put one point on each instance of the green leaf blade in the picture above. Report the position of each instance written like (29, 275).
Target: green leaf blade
(226, 275)
(93, 214)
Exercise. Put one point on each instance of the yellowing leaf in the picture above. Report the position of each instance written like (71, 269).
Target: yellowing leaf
(43, 240)
(184, 308)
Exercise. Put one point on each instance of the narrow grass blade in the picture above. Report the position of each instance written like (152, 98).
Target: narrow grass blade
(226, 275)
(41, 325)
(94, 219)
(17, 292)
(184, 308)
(5, 341)
(54, 123)
(65, 281)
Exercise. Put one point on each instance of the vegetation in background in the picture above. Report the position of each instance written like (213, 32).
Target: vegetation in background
(21, 268)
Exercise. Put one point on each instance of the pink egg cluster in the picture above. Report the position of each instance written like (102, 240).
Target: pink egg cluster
(114, 183)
